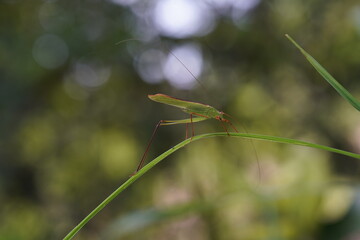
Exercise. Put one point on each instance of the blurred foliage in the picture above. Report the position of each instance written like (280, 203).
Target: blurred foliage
(75, 120)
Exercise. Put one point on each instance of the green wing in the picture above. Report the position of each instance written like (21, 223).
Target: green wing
(187, 106)
(183, 104)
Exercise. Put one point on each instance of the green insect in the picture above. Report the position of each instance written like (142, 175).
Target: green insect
(198, 112)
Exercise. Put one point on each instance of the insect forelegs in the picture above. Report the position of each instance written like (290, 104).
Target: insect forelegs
(233, 127)
(192, 128)
(225, 128)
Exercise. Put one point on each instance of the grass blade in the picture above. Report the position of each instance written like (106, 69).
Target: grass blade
(182, 144)
(327, 76)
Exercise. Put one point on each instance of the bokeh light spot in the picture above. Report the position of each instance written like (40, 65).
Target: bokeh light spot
(53, 17)
(180, 76)
(355, 17)
(245, 5)
(50, 51)
(90, 75)
(183, 18)
(150, 66)
(124, 2)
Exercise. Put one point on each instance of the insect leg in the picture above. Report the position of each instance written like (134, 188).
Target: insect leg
(223, 125)
(232, 125)
(192, 126)
(141, 164)
(191, 121)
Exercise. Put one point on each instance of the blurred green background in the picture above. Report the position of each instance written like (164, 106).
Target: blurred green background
(75, 118)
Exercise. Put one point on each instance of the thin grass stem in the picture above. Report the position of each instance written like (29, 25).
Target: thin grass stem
(182, 144)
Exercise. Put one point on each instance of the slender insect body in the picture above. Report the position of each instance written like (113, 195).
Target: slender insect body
(198, 112)
(198, 109)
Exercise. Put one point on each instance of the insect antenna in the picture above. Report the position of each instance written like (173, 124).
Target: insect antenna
(164, 46)
(127, 40)
(187, 69)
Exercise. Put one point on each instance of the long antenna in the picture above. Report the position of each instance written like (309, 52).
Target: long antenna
(187, 69)
(204, 88)
(170, 52)
(128, 40)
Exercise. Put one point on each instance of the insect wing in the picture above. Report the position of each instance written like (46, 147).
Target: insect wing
(183, 104)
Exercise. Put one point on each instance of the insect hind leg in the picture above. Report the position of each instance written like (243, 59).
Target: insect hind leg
(142, 161)
(225, 128)
(233, 127)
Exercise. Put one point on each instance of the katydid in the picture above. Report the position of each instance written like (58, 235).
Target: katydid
(198, 112)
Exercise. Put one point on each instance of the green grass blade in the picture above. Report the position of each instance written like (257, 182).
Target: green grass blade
(182, 144)
(327, 76)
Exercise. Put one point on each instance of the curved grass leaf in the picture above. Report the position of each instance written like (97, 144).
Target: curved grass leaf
(155, 161)
(327, 76)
